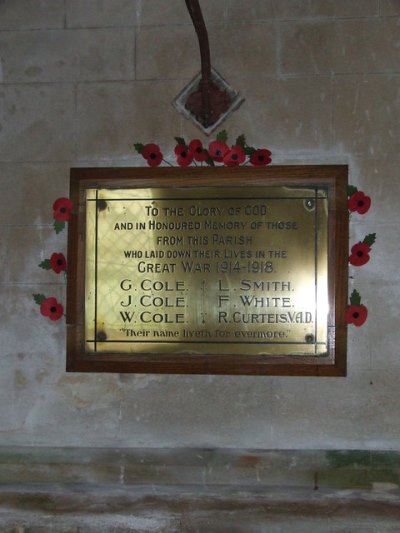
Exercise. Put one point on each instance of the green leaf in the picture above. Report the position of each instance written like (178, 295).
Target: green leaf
(39, 298)
(370, 239)
(180, 140)
(222, 136)
(241, 141)
(210, 162)
(139, 147)
(351, 190)
(58, 225)
(45, 264)
(249, 150)
(355, 298)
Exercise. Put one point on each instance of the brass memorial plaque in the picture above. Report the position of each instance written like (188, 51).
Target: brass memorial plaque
(206, 272)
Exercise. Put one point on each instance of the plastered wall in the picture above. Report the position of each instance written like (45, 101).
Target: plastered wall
(80, 82)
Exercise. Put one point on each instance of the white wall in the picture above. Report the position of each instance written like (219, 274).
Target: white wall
(80, 82)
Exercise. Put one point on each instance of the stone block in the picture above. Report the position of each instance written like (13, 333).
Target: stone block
(359, 348)
(385, 416)
(356, 8)
(307, 47)
(389, 8)
(100, 13)
(30, 14)
(28, 191)
(366, 46)
(189, 410)
(345, 46)
(162, 53)
(361, 126)
(382, 263)
(131, 112)
(377, 177)
(297, 9)
(25, 333)
(244, 12)
(49, 405)
(166, 53)
(76, 401)
(292, 114)
(244, 51)
(24, 247)
(382, 326)
(333, 410)
(67, 55)
(294, 9)
(174, 12)
(36, 122)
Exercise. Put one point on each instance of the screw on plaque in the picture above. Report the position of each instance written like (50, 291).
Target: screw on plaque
(310, 339)
(309, 204)
(101, 336)
(101, 205)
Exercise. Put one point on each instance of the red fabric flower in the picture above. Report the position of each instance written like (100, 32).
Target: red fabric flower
(234, 157)
(200, 154)
(62, 208)
(218, 150)
(359, 202)
(51, 308)
(151, 152)
(58, 263)
(183, 155)
(359, 254)
(260, 158)
(356, 314)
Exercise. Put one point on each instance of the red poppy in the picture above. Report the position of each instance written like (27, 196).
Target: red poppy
(62, 209)
(234, 157)
(58, 263)
(260, 158)
(218, 150)
(183, 155)
(359, 202)
(51, 308)
(359, 254)
(151, 152)
(200, 154)
(356, 314)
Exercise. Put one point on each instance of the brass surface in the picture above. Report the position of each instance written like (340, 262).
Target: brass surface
(207, 271)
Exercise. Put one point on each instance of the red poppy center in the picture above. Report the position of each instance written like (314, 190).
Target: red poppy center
(184, 154)
(356, 314)
(218, 153)
(60, 262)
(261, 158)
(53, 309)
(153, 155)
(63, 209)
(199, 150)
(360, 203)
(360, 253)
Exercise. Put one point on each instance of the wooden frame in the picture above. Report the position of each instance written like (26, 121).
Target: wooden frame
(331, 178)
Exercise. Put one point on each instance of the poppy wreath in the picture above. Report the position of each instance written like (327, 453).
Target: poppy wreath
(217, 153)
(50, 307)
(358, 202)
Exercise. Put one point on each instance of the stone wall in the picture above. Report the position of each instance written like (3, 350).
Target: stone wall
(81, 81)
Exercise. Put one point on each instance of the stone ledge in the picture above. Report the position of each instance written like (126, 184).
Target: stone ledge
(89, 508)
(74, 490)
(309, 469)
